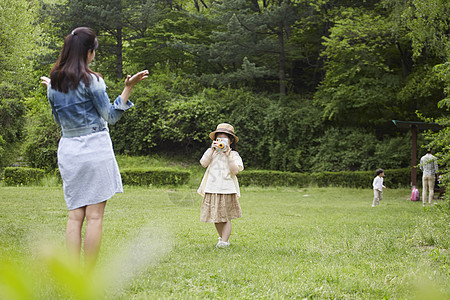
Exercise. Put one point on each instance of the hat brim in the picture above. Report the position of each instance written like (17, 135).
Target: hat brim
(213, 134)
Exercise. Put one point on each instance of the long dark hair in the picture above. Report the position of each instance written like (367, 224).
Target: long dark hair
(71, 66)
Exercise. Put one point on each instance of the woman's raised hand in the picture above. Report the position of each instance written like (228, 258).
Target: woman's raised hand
(45, 80)
(131, 81)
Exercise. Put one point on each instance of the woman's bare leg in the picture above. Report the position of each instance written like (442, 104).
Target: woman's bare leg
(73, 232)
(93, 236)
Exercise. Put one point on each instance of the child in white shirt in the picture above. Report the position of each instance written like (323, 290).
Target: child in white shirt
(219, 186)
(378, 187)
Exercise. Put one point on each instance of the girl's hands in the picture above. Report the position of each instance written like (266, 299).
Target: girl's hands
(234, 169)
(214, 145)
(131, 81)
(228, 152)
(45, 80)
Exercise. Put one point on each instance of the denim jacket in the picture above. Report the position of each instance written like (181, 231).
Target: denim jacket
(85, 110)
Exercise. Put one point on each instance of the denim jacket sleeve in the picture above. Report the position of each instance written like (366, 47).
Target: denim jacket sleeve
(55, 116)
(110, 112)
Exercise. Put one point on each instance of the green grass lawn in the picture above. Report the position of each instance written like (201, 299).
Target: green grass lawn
(313, 243)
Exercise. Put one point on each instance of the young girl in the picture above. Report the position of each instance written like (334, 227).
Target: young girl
(81, 107)
(219, 186)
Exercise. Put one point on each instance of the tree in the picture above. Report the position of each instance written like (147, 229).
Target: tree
(358, 80)
(106, 17)
(19, 39)
(168, 42)
(369, 71)
(428, 21)
(116, 23)
(251, 33)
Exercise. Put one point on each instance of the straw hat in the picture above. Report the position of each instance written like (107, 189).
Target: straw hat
(224, 128)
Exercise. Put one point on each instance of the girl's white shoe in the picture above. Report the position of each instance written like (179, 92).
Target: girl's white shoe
(222, 244)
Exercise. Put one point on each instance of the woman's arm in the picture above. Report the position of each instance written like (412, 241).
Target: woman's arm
(130, 82)
(46, 81)
(100, 99)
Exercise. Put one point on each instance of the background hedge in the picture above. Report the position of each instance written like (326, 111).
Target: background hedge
(22, 176)
(154, 176)
(362, 179)
(357, 179)
(273, 178)
(167, 176)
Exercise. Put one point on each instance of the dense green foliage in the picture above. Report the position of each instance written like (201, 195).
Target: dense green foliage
(19, 39)
(12, 123)
(41, 144)
(310, 86)
(280, 134)
(22, 176)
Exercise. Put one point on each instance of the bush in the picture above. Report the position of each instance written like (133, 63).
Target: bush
(136, 132)
(22, 176)
(342, 149)
(361, 179)
(2, 150)
(154, 176)
(41, 147)
(397, 177)
(12, 120)
(43, 134)
(163, 120)
(187, 121)
(273, 178)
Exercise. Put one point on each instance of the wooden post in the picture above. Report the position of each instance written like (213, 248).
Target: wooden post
(414, 155)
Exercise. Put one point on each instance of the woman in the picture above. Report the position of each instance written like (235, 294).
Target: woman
(81, 107)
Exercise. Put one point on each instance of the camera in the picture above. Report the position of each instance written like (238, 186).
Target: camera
(221, 144)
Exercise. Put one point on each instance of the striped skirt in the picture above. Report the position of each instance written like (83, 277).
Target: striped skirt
(88, 169)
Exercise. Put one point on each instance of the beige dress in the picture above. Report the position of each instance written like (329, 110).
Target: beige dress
(220, 189)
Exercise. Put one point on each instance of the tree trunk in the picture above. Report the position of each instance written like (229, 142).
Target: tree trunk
(282, 61)
(406, 60)
(119, 49)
